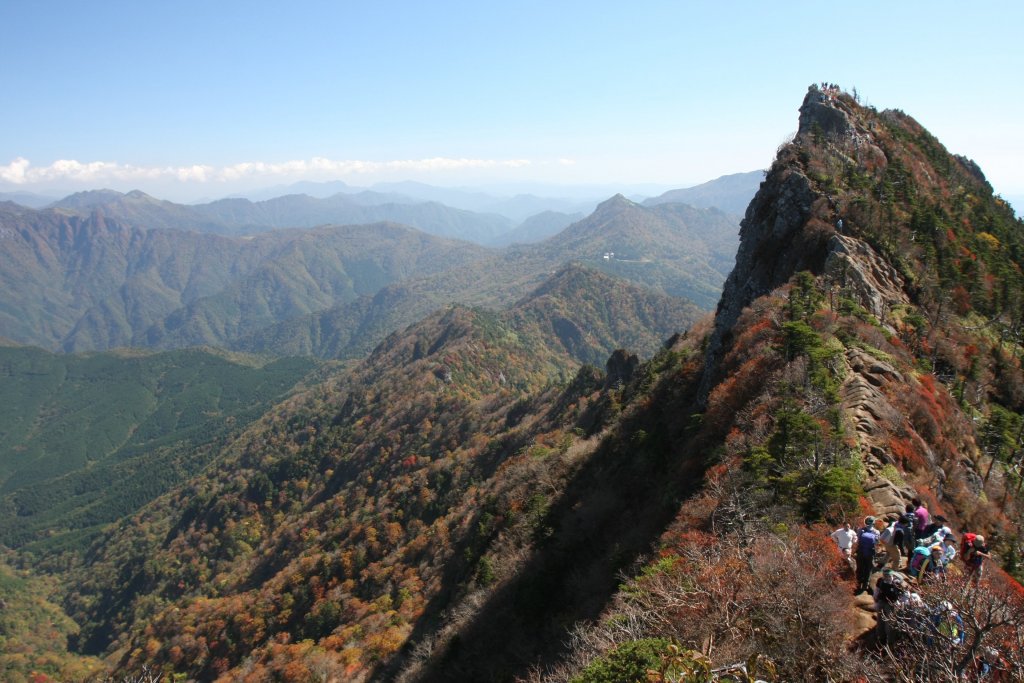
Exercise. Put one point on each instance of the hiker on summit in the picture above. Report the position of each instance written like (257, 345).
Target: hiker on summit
(867, 541)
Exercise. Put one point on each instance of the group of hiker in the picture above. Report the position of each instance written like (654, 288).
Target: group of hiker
(915, 542)
(911, 549)
(831, 90)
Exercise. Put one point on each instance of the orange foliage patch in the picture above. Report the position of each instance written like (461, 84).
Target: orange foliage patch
(865, 506)
(906, 453)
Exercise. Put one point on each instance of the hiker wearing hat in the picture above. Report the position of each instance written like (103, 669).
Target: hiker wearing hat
(948, 550)
(932, 566)
(867, 541)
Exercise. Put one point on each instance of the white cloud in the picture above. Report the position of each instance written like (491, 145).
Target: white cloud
(14, 172)
(21, 172)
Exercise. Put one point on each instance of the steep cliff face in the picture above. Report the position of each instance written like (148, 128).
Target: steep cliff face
(865, 352)
(790, 224)
(910, 240)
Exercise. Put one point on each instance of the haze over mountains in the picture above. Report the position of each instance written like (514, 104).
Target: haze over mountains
(98, 270)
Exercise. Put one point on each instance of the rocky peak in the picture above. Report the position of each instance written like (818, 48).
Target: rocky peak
(823, 112)
(620, 367)
(792, 223)
(774, 245)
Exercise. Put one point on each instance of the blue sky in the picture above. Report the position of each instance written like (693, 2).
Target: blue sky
(206, 98)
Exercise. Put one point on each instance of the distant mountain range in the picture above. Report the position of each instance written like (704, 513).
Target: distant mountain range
(671, 249)
(29, 199)
(487, 217)
(84, 283)
(243, 217)
(84, 275)
(730, 193)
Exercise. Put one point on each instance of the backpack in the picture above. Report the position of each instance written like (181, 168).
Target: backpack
(967, 545)
(911, 519)
(909, 522)
(889, 590)
(866, 540)
(886, 535)
(921, 553)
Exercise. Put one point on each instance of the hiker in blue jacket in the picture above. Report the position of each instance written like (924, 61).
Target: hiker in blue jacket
(867, 541)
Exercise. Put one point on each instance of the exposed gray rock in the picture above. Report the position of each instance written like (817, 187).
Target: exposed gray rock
(773, 245)
(823, 114)
(865, 274)
(874, 418)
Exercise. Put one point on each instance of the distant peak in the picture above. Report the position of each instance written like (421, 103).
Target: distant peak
(616, 203)
(138, 194)
(88, 199)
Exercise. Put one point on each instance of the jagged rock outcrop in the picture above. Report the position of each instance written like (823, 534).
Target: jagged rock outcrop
(786, 229)
(854, 265)
(823, 114)
(803, 218)
(620, 367)
(865, 403)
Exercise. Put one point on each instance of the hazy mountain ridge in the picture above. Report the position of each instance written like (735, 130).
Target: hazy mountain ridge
(301, 211)
(671, 249)
(729, 193)
(87, 283)
(312, 271)
(83, 283)
(238, 216)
